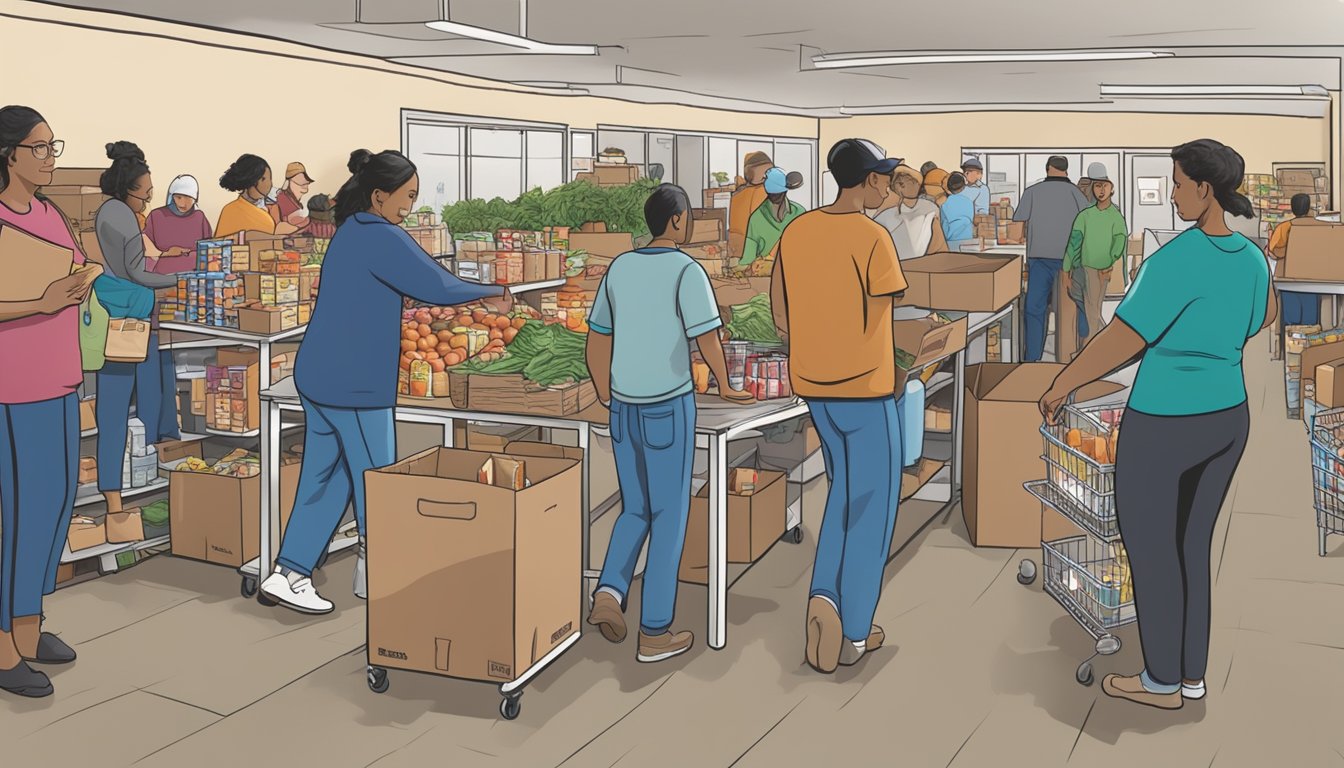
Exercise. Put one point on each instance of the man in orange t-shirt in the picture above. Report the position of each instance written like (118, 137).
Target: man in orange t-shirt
(837, 263)
(746, 200)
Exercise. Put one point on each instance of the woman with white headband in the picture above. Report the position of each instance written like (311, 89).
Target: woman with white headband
(175, 228)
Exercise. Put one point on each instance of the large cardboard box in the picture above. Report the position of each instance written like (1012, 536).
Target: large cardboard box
(962, 281)
(1330, 384)
(214, 518)
(79, 203)
(260, 320)
(501, 568)
(85, 533)
(88, 414)
(125, 527)
(1302, 179)
(1314, 357)
(1002, 449)
(924, 340)
(756, 520)
(77, 177)
(29, 265)
(608, 244)
(1315, 252)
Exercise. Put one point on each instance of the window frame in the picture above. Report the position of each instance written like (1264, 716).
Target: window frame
(466, 123)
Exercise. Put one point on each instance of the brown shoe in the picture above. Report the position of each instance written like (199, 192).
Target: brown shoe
(1131, 689)
(824, 635)
(664, 646)
(876, 637)
(607, 617)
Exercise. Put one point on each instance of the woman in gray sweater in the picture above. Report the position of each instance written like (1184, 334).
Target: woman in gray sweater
(153, 381)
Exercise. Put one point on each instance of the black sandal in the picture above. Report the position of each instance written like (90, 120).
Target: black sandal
(52, 650)
(23, 680)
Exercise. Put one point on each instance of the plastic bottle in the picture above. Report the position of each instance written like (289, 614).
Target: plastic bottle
(911, 413)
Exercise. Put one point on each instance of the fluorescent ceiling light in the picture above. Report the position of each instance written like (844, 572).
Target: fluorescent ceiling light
(849, 60)
(1214, 91)
(513, 41)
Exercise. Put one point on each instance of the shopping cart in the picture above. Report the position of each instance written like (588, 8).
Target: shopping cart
(1087, 574)
(1327, 471)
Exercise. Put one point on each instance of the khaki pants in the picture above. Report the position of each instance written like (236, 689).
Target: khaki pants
(1085, 311)
(1093, 296)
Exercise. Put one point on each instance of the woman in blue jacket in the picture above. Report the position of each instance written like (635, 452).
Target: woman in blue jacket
(346, 371)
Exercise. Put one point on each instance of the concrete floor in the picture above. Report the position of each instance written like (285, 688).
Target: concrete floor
(177, 670)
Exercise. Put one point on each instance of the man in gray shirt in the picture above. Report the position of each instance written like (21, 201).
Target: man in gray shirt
(1048, 208)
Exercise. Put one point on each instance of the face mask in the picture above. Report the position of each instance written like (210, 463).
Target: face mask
(403, 212)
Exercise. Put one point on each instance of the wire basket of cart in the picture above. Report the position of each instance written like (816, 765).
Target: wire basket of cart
(1080, 468)
(1327, 471)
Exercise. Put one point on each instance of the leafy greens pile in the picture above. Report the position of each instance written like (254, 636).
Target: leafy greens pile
(547, 354)
(754, 322)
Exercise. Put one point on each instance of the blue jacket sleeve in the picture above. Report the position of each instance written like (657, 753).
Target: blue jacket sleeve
(407, 269)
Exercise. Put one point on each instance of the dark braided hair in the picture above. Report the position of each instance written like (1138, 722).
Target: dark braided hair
(128, 165)
(1210, 162)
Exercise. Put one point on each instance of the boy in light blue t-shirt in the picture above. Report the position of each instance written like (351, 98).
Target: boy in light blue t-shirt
(650, 304)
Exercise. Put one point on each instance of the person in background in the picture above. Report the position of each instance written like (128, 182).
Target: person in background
(958, 214)
(650, 304)
(1096, 242)
(1196, 303)
(976, 189)
(39, 410)
(152, 383)
(768, 222)
(174, 229)
(1298, 308)
(935, 185)
(371, 265)
(913, 222)
(835, 260)
(746, 200)
(321, 222)
(1049, 208)
(250, 177)
(289, 203)
(925, 168)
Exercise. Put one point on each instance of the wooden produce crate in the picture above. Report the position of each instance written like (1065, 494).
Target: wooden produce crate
(514, 394)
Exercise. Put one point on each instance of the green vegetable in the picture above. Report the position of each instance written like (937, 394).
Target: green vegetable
(546, 354)
(754, 322)
(569, 205)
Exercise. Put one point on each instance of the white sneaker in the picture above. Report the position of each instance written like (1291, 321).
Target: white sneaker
(361, 574)
(1194, 692)
(295, 592)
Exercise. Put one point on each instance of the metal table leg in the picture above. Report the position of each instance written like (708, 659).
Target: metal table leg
(718, 541)
(958, 420)
(588, 584)
(271, 423)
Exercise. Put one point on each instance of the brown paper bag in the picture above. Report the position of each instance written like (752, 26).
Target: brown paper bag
(127, 340)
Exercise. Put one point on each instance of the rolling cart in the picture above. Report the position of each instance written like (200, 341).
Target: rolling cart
(1087, 574)
(1327, 473)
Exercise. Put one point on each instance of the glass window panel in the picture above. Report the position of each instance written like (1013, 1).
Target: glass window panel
(493, 177)
(489, 142)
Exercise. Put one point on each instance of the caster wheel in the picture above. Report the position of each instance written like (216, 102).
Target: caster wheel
(378, 682)
(796, 535)
(1026, 572)
(1084, 674)
(510, 707)
(249, 587)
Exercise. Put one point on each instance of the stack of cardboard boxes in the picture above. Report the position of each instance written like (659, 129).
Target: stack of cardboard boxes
(513, 257)
(232, 391)
(428, 232)
(76, 192)
(709, 240)
(256, 288)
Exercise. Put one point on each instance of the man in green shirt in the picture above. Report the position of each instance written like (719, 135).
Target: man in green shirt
(1097, 242)
(767, 222)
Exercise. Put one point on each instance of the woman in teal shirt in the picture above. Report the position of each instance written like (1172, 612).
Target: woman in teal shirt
(1188, 316)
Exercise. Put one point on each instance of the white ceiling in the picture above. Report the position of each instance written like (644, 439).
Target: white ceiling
(751, 54)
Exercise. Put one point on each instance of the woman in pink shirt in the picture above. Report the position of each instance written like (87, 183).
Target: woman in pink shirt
(40, 372)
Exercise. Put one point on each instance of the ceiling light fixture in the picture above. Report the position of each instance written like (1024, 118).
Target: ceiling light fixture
(1214, 91)
(520, 40)
(893, 59)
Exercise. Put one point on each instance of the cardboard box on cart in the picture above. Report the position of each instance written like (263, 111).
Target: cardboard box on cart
(1002, 449)
(1314, 357)
(1330, 384)
(1315, 252)
(502, 568)
(966, 282)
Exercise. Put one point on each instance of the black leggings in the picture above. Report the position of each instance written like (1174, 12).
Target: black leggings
(1172, 474)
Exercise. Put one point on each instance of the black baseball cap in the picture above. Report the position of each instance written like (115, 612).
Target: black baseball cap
(851, 160)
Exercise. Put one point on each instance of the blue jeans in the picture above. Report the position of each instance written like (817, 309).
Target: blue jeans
(1042, 279)
(339, 445)
(1301, 308)
(39, 443)
(153, 382)
(861, 444)
(654, 445)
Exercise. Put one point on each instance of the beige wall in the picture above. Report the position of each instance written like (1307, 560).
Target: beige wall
(96, 85)
(1261, 140)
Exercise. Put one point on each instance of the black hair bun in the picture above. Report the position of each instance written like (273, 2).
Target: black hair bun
(358, 159)
(124, 150)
